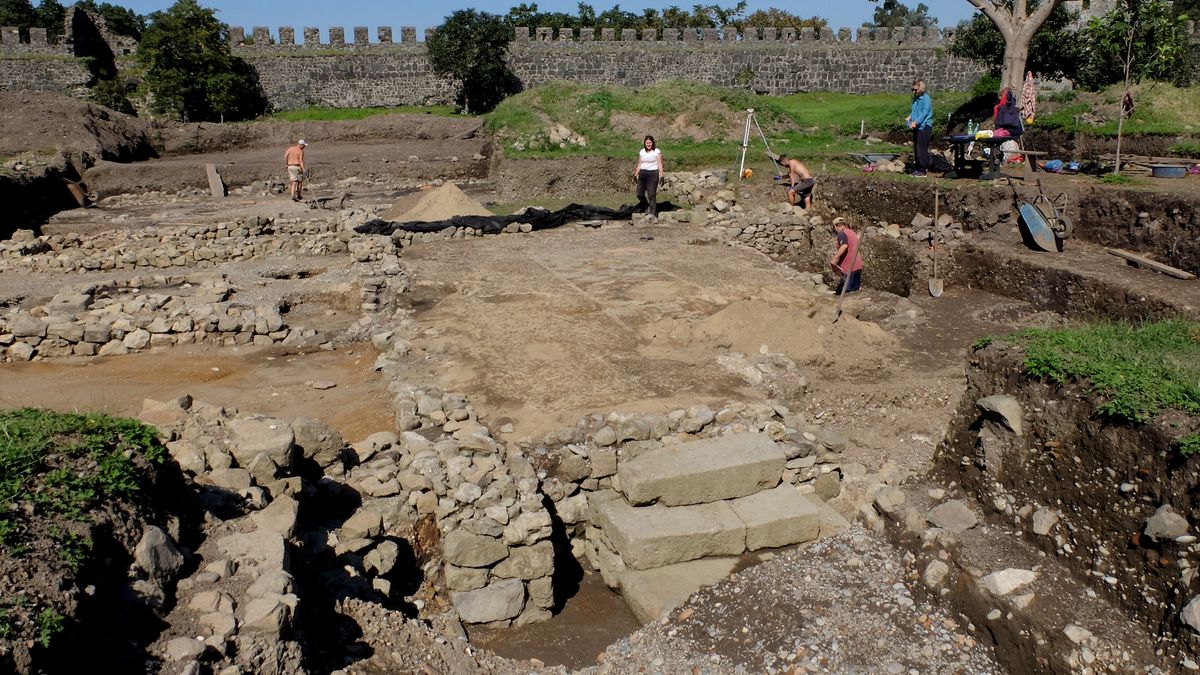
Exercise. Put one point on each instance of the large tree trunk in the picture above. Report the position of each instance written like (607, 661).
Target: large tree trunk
(1017, 27)
(1012, 73)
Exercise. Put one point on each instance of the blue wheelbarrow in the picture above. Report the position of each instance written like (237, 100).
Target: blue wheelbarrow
(1044, 223)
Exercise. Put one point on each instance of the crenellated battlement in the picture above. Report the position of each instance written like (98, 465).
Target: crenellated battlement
(38, 43)
(286, 37)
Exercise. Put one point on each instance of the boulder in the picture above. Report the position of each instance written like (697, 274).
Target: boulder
(527, 562)
(257, 435)
(157, 555)
(500, 601)
(318, 441)
(953, 516)
(1006, 408)
(1008, 580)
(472, 550)
(1165, 524)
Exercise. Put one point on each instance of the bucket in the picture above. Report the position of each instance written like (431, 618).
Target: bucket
(1168, 170)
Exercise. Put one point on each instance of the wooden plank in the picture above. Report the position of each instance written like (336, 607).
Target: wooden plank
(216, 186)
(1156, 266)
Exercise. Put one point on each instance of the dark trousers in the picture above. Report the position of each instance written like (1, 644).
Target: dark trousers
(852, 281)
(647, 191)
(921, 138)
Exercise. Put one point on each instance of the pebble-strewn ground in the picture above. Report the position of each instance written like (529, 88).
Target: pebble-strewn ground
(838, 606)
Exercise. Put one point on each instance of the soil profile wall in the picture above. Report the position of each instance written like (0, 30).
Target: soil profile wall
(1081, 487)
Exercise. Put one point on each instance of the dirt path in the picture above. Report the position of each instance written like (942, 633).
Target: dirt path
(263, 381)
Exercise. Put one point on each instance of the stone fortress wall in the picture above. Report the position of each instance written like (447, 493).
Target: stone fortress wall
(352, 70)
(299, 69)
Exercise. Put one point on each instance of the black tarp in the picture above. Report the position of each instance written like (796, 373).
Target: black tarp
(541, 219)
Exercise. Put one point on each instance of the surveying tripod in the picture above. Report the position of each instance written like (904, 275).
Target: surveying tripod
(751, 118)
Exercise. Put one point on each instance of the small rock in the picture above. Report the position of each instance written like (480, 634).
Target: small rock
(1008, 580)
(1007, 408)
(157, 555)
(1165, 524)
(953, 516)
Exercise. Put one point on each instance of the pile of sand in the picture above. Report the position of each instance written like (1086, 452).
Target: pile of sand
(803, 332)
(435, 205)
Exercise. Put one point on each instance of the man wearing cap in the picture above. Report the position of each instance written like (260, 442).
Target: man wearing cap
(294, 159)
(846, 261)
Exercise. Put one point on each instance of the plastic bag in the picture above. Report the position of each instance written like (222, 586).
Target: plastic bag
(983, 133)
(1053, 165)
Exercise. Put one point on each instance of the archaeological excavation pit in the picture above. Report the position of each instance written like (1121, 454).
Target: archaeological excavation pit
(644, 443)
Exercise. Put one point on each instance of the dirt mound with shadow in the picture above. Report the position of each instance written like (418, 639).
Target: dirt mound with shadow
(441, 203)
(45, 124)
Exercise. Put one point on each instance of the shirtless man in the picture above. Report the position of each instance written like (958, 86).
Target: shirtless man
(800, 181)
(294, 159)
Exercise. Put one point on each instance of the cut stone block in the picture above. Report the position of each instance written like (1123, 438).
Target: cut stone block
(704, 471)
(653, 536)
(653, 593)
(778, 517)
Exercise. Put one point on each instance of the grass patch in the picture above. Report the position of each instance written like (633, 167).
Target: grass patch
(613, 120)
(63, 465)
(343, 114)
(1116, 179)
(1162, 109)
(1189, 445)
(49, 624)
(1138, 372)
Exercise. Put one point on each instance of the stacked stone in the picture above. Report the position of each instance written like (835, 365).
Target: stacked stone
(576, 461)
(499, 561)
(245, 600)
(81, 321)
(166, 247)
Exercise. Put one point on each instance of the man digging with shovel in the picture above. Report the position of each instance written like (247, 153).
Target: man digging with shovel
(846, 261)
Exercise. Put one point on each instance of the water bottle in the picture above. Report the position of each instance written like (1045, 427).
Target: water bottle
(971, 127)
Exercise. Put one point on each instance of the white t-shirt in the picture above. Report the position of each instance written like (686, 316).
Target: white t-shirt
(648, 159)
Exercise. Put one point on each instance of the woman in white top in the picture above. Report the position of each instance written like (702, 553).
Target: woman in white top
(648, 173)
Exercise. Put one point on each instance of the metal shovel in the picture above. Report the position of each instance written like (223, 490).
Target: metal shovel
(935, 284)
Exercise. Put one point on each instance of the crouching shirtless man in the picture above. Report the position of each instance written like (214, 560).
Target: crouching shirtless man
(800, 181)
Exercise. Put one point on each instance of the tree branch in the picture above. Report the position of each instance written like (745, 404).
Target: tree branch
(1002, 19)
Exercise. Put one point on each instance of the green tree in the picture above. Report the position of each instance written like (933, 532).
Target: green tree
(1018, 22)
(49, 15)
(1055, 51)
(471, 48)
(1144, 37)
(1137, 40)
(18, 13)
(781, 19)
(120, 20)
(896, 14)
(189, 69)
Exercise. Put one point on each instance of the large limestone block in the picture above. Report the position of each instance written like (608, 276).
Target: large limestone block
(708, 470)
(653, 593)
(256, 435)
(528, 562)
(778, 517)
(465, 549)
(497, 602)
(653, 536)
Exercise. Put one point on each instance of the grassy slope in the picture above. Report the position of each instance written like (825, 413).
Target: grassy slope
(811, 126)
(54, 470)
(1136, 372)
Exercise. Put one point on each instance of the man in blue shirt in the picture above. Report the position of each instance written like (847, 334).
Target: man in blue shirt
(920, 120)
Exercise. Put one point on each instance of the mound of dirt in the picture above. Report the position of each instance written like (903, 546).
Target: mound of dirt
(440, 203)
(801, 331)
(33, 123)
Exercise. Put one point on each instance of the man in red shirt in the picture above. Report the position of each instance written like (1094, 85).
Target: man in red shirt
(846, 261)
(293, 157)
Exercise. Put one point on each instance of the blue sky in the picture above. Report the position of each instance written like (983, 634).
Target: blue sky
(372, 13)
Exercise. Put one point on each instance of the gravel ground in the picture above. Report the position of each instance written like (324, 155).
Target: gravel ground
(841, 605)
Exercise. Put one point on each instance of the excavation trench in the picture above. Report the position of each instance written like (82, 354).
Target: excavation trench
(554, 337)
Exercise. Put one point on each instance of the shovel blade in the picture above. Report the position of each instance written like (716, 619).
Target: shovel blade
(935, 288)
